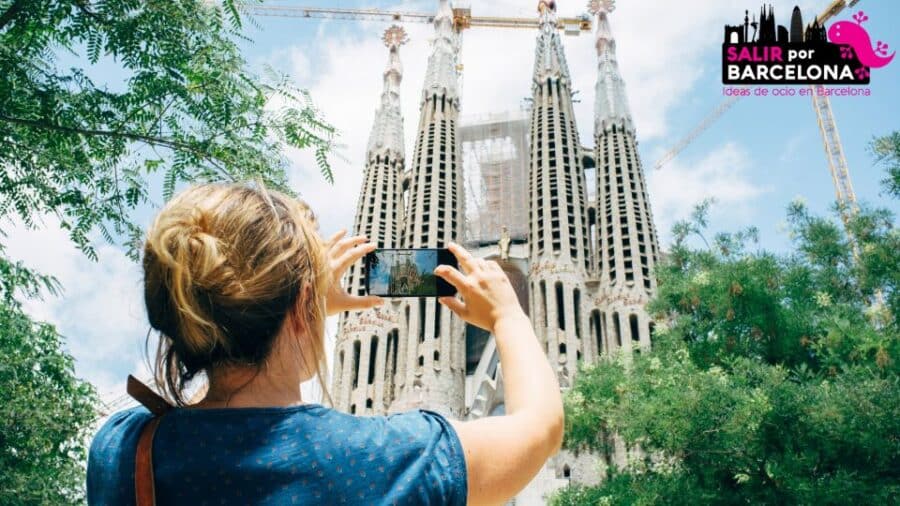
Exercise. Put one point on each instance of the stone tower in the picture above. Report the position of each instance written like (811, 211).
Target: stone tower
(431, 371)
(626, 250)
(366, 349)
(559, 252)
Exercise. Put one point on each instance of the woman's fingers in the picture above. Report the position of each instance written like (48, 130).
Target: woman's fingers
(346, 302)
(455, 305)
(465, 259)
(452, 276)
(335, 238)
(364, 301)
(342, 246)
(351, 256)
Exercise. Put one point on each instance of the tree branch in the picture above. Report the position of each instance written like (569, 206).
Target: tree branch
(147, 139)
(104, 133)
(11, 13)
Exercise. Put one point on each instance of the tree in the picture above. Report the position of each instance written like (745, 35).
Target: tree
(181, 103)
(774, 379)
(887, 151)
(46, 414)
(176, 105)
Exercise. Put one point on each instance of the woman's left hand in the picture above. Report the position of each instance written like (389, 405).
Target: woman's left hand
(342, 253)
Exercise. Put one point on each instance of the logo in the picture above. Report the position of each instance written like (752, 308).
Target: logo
(761, 52)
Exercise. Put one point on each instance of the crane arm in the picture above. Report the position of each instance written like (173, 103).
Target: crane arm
(462, 17)
(699, 129)
(335, 13)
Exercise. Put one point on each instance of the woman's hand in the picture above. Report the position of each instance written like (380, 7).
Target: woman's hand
(342, 253)
(488, 296)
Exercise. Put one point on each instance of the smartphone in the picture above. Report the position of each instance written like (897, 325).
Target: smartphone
(408, 273)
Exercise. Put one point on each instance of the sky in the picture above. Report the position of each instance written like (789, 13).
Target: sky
(759, 156)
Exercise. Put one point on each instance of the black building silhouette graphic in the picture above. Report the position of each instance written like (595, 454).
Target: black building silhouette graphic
(783, 35)
(796, 26)
(816, 32)
(767, 31)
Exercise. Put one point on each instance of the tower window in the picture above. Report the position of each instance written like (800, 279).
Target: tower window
(544, 302)
(576, 303)
(618, 328)
(355, 365)
(598, 334)
(437, 321)
(421, 303)
(560, 307)
(373, 353)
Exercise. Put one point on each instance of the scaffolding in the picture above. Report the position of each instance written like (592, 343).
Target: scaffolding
(495, 168)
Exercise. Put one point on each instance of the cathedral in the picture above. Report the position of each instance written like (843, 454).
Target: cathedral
(583, 268)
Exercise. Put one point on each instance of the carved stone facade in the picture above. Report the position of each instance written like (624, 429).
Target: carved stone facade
(626, 249)
(433, 344)
(365, 358)
(584, 273)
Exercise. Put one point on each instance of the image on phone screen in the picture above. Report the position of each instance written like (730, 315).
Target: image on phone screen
(408, 273)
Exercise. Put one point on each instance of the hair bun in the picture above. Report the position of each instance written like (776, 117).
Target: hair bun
(223, 267)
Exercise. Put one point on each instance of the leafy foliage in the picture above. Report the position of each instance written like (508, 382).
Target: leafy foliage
(887, 151)
(45, 414)
(186, 107)
(177, 105)
(775, 379)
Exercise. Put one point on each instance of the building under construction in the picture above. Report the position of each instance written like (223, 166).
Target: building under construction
(513, 186)
(495, 166)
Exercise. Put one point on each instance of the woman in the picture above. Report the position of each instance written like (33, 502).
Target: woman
(238, 284)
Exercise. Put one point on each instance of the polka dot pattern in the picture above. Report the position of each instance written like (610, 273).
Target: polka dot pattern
(272, 456)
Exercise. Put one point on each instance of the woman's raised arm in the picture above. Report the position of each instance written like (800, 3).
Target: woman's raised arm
(503, 453)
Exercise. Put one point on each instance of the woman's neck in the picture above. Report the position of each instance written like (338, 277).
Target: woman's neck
(249, 387)
(274, 383)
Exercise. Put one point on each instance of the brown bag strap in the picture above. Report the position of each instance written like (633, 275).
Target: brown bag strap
(150, 399)
(144, 486)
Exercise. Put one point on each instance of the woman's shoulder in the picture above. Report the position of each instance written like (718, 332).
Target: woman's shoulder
(111, 457)
(119, 428)
(418, 449)
(419, 446)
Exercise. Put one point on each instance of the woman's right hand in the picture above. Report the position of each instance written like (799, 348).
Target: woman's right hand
(487, 294)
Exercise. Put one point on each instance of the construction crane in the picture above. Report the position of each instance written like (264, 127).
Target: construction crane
(462, 17)
(699, 129)
(834, 151)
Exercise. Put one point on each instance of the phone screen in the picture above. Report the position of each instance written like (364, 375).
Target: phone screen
(408, 273)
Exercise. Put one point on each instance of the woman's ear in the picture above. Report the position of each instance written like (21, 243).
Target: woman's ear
(296, 323)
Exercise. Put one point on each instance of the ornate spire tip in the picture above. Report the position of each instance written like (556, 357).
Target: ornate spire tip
(395, 36)
(596, 7)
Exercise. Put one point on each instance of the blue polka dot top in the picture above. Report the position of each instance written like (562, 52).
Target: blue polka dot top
(307, 454)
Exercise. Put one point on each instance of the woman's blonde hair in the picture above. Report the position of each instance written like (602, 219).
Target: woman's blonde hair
(226, 266)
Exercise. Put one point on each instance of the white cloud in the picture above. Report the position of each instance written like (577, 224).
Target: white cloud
(665, 49)
(720, 174)
(664, 52)
(101, 309)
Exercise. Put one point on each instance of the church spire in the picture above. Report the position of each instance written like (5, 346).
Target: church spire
(549, 58)
(441, 76)
(611, 107)
(387, 130)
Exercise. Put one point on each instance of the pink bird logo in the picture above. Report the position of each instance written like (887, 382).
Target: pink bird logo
(855, 36)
